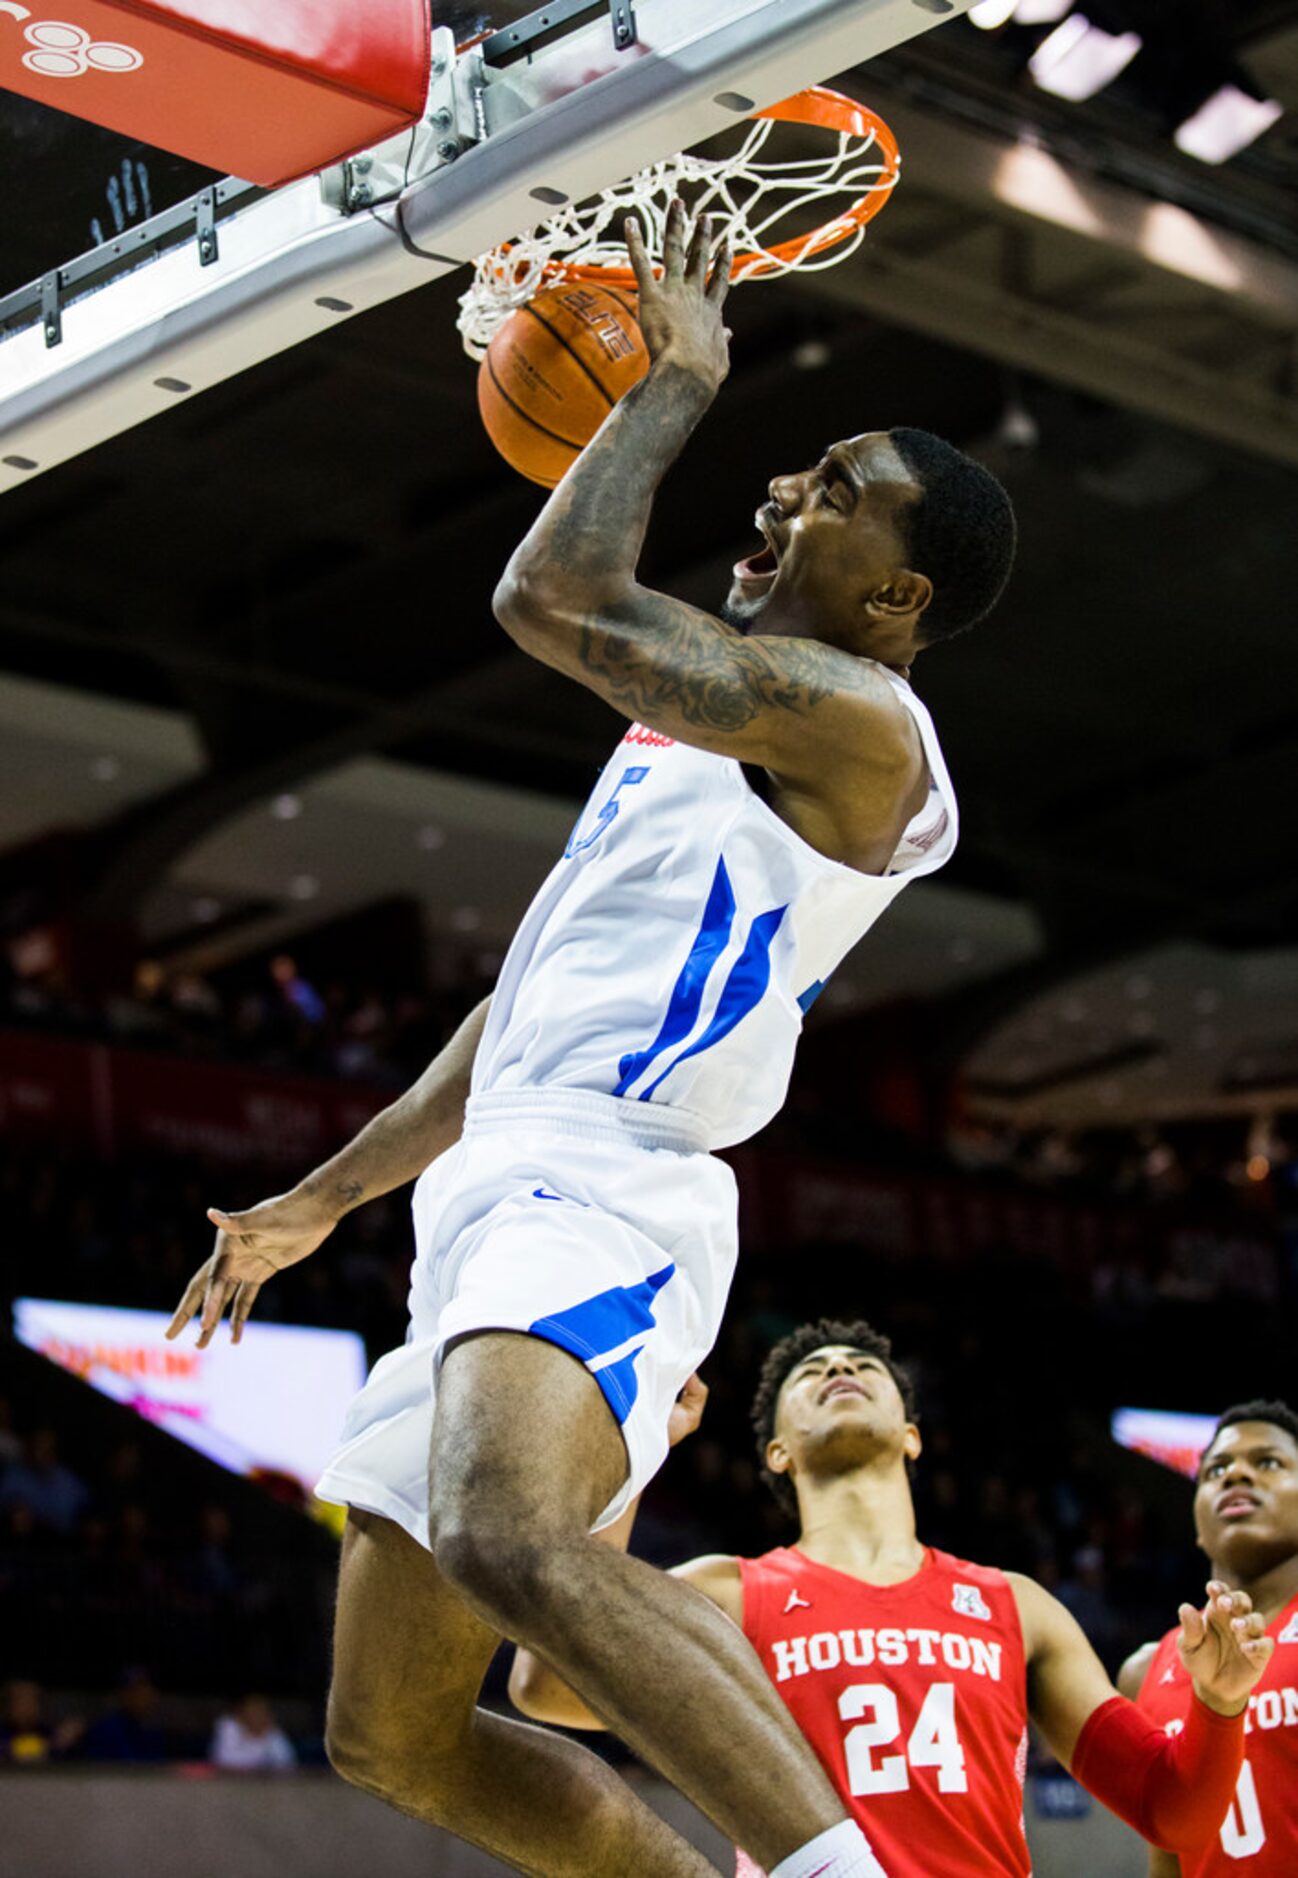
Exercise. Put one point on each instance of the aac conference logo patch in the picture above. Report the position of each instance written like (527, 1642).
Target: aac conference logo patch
(968, 1601)
(61, 50)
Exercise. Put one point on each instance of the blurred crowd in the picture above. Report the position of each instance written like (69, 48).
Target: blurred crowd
(276, 1017)
(128, 1727)
(114, 1551)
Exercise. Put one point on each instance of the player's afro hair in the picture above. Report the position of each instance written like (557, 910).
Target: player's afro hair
(784, 1358)
(961, 532)
(1279, 1414)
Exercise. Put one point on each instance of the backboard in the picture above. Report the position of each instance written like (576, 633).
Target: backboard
(526, 109)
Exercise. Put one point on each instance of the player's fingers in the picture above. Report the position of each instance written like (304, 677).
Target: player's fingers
(696, 262)
(674, 240)
(240, 1311)
(719, 279)
(1259, 1651)
(215, 1299)
(1193, 1628)
(1220, 1611)
(189, 1303)
(211, 1323)
(638, 253)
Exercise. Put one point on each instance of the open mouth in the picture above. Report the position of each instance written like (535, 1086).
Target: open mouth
(757, 574)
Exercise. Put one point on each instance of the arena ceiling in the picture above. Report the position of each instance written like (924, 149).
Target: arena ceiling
(300, 561)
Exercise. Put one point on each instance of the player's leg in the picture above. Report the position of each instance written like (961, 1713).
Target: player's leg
(409, 1658)
(526, 1455)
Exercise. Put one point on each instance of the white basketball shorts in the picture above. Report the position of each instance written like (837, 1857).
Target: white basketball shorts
(600, 1224)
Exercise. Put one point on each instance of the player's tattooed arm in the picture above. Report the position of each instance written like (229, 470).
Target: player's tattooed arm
(811, 714)
(585, 545)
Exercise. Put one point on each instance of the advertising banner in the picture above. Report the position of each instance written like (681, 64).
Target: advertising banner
(273, 1404)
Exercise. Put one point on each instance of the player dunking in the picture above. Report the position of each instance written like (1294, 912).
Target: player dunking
(575, 1236)
(913, 1673)
(1246, 1521)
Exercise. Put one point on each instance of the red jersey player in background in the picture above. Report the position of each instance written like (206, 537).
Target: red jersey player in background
(1246, 1521)
(913, 1673)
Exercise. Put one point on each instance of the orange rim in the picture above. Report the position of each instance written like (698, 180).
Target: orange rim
(826, 110)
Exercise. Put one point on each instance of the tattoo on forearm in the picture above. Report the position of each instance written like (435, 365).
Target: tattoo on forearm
(597, 520)
(673, 659)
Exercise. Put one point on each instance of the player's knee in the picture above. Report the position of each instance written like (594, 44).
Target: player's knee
(354, 1753)
(410, 1776)
(490, 1561)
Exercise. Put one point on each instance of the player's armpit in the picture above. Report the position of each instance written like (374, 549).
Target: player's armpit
(1163, 1864)
(789, 705)
(1131, 1677)
(1066, 1680)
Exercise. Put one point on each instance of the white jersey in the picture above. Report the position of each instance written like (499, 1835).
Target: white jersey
(673, 951)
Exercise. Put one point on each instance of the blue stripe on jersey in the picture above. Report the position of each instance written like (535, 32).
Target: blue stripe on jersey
(744, 989)
(810, 995)
(620, 1383)
(710, 942)
(601, 1323)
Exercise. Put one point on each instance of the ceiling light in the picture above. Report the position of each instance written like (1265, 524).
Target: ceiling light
(989, 14)
(1225, 124)
(1078, 59)
(303, 887)
(1040, 12)
(286, 808)
(810, 355)
(1180, 242)
(1031, 180)
(1257, 1167)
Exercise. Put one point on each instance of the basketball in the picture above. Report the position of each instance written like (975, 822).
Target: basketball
(553, 373)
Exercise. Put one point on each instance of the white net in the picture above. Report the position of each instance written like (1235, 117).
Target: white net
(754, 198)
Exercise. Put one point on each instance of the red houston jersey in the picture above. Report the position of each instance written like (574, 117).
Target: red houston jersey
(914, 1696)
(1259, 1836)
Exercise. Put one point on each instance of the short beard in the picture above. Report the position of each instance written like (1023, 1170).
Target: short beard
(741, 620)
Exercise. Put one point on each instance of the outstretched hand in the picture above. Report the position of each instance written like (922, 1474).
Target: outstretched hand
(680, 309)
(250, 1248)
(1224, 1647)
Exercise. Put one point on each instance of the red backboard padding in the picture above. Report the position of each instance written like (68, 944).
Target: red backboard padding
(262, 89)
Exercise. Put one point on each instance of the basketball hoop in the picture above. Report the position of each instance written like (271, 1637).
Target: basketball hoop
(748, 191)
